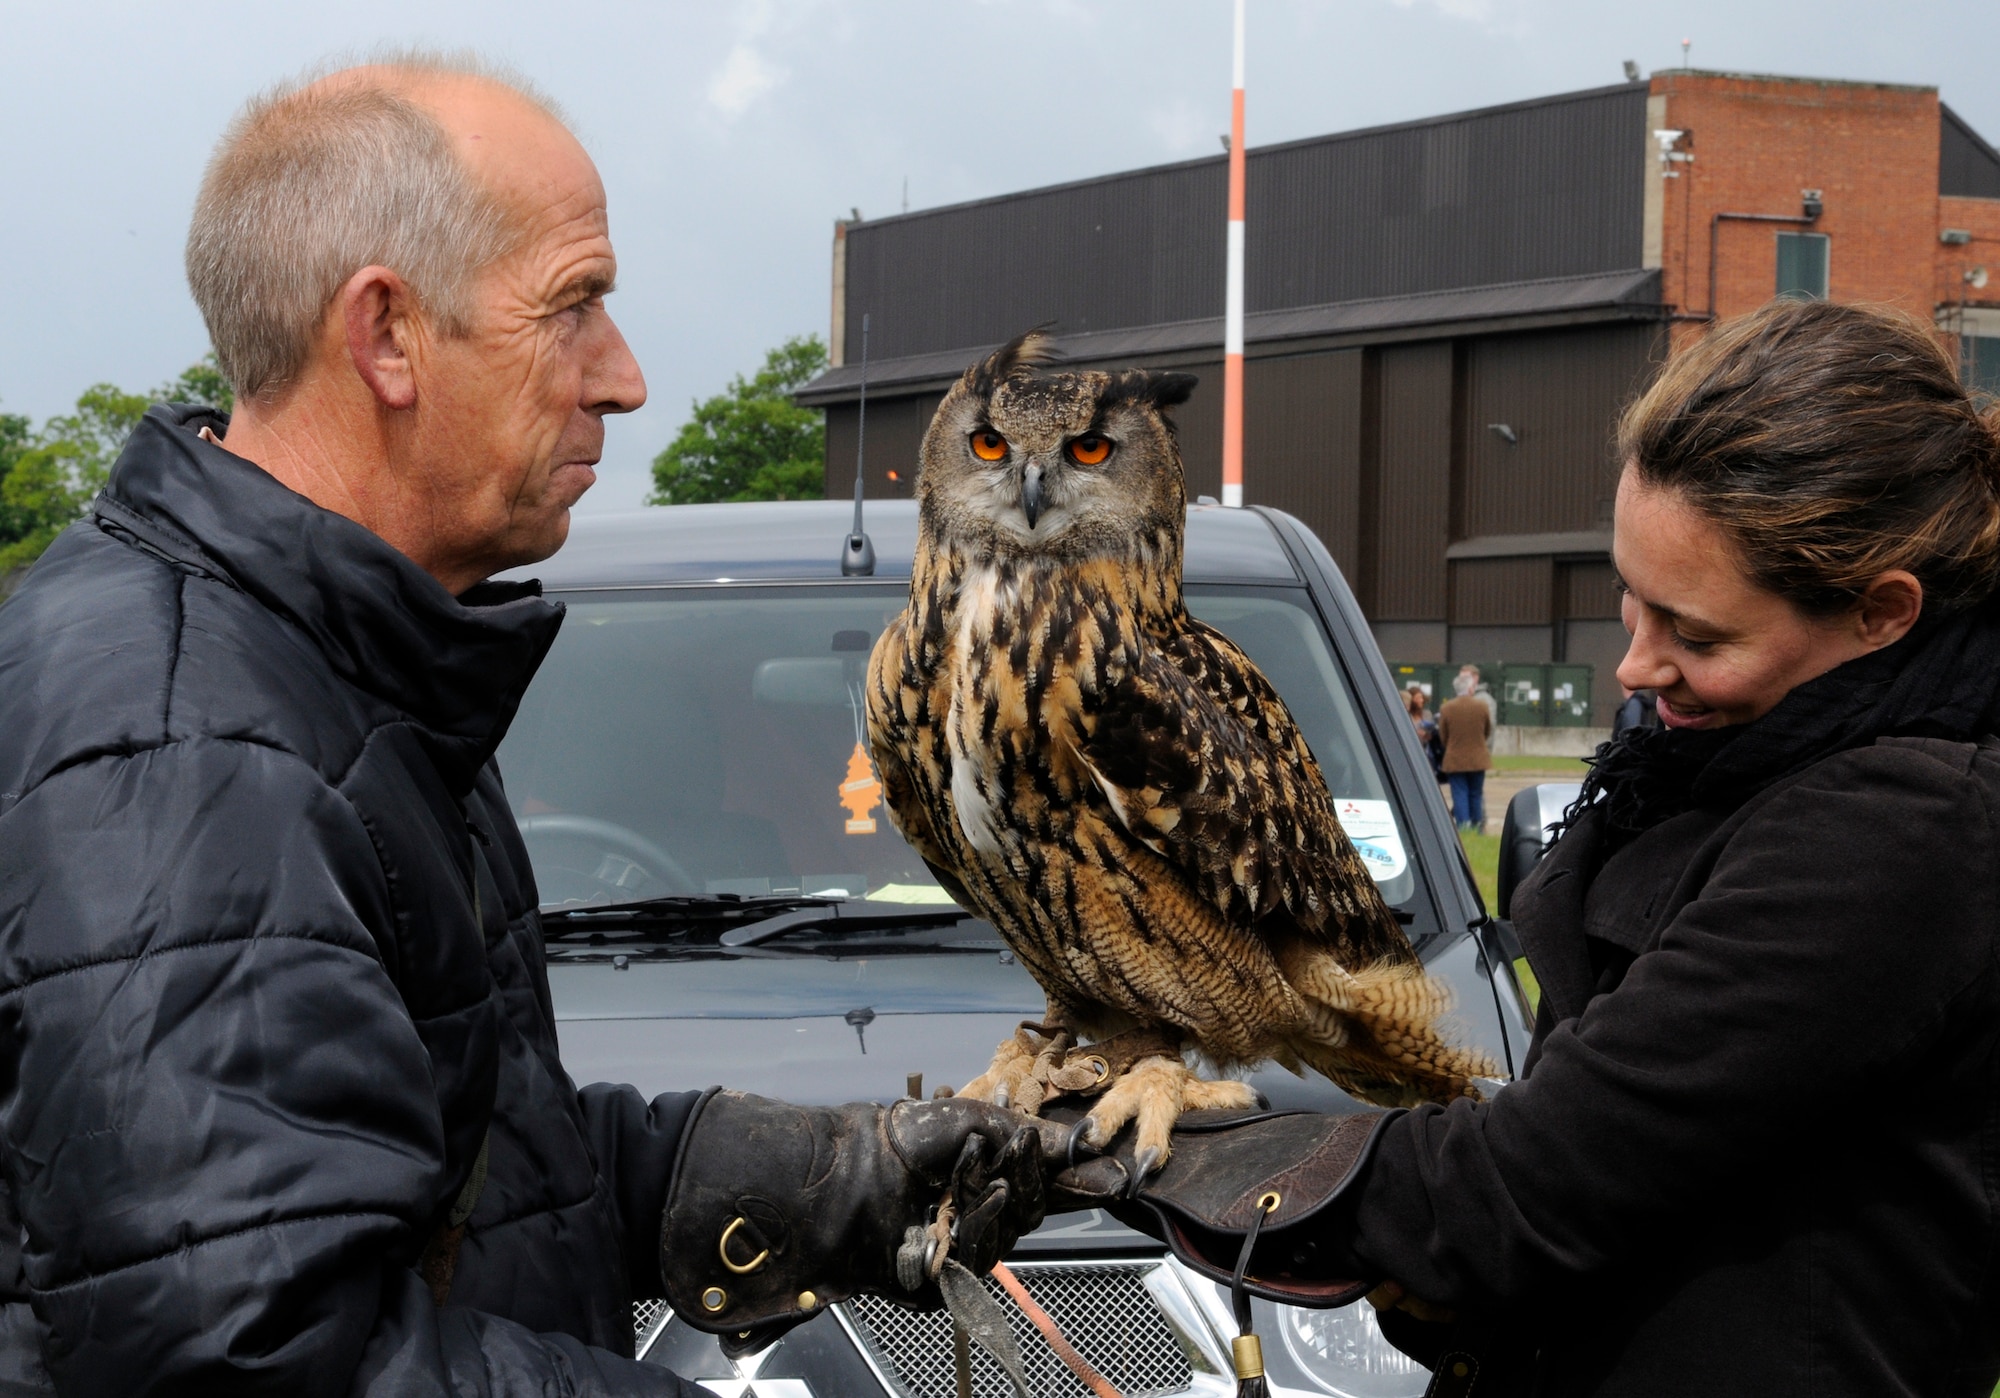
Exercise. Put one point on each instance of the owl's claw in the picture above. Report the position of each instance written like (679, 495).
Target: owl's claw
(1018, 1075)
(1152, 1094)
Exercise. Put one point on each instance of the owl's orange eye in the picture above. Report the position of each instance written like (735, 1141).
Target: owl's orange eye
(1090, 450)
(988, 445)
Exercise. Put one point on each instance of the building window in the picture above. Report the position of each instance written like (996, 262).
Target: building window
(1979, 362)
(1802, 265)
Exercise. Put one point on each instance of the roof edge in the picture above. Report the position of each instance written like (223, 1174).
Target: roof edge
(1632, 292)
(1251, 152)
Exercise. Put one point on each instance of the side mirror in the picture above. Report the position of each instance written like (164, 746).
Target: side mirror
(1524, 834)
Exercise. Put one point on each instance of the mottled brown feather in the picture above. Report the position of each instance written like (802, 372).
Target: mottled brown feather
(1111, 782)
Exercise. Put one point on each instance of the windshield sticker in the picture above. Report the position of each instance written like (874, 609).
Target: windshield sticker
(924, 893)
(1372, 828)
(859, 793)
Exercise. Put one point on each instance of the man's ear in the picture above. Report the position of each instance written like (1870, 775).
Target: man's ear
(1889, 607)
(379, 311)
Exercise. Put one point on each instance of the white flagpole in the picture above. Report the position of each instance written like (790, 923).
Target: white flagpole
(1232, 313)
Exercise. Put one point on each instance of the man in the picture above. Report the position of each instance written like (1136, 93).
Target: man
(1465, 725)
(282, 1109)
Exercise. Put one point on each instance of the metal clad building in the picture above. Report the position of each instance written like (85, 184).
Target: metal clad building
(1444, 318)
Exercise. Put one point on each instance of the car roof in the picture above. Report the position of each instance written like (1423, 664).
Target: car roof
(801, 540)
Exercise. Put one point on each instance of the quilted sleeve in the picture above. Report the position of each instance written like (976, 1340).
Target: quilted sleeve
(219, 1123)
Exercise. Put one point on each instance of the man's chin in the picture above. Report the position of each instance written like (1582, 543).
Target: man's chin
(568, 482)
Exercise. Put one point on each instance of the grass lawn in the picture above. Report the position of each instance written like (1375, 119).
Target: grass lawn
(1567, 768)
(1483, 853)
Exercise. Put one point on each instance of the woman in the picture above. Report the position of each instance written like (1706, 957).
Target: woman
(1418, 704)
(1755, 1145)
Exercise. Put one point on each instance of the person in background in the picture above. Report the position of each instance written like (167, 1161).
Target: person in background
(1640, 710)
(1465, 726)
(1477, 687)
(1418, 703)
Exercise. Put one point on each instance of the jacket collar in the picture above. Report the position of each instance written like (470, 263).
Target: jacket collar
(457, 666)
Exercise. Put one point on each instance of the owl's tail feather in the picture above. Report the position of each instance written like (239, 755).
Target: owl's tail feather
(1376, 1031)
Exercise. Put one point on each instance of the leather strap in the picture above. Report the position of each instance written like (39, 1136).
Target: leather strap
(439, 1263)
(1052, 1332)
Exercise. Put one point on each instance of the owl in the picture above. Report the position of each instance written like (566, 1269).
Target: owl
(1114, 785)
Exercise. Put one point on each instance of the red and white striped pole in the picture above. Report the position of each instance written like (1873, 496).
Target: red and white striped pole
(1232, 305)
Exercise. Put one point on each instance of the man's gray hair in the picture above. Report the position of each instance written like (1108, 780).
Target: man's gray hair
(309, 185)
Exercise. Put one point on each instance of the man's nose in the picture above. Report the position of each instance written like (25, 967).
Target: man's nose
(612, 380)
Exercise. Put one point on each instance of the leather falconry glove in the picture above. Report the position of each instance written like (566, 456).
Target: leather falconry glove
(776, 1211)
(1231, 1201)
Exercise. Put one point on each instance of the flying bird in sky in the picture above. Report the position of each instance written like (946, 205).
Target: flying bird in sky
(1115, 785)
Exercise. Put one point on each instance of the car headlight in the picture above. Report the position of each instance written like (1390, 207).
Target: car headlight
(1344, 1352)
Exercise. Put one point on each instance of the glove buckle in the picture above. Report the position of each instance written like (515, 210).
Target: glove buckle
(741, 1269)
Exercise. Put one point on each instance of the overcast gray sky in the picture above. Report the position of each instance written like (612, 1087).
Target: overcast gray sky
(731, 134)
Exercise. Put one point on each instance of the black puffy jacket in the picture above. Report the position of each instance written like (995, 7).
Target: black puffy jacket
(1756, 1145)
(271, 972)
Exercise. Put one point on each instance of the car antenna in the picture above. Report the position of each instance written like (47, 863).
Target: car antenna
(857, 560)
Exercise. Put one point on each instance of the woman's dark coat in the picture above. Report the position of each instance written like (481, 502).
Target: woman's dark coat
(1753, 1150)
(271, 971)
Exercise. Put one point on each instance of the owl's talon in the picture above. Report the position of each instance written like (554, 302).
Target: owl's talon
(1013, 1079)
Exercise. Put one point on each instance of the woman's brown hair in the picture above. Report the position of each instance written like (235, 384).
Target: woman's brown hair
(1833, 444)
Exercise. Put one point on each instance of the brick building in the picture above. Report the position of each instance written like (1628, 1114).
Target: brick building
(1444, 316)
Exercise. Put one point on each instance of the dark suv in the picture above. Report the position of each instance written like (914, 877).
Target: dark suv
(694, 746)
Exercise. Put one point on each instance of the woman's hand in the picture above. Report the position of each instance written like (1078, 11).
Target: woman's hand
(1390, 1296)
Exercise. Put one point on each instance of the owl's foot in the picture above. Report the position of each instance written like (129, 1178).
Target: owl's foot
(1153, 1093)
(1018, 1077)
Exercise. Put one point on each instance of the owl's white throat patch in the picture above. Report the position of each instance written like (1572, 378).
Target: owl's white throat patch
(979, 596)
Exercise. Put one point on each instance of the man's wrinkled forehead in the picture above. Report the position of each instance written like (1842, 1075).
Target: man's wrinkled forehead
(1043, 407)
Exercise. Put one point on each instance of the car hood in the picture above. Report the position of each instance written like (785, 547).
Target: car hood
(822, 1028)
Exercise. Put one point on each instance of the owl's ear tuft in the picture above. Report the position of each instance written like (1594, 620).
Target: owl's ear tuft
(1170, 390)
(1159, 387)
(1031, 350)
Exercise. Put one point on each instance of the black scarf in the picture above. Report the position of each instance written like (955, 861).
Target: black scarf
(1940, 681)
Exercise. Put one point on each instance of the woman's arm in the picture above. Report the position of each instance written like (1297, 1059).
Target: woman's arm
(1825, 951)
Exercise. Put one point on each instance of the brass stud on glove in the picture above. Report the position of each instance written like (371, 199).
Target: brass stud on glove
(807, 1300)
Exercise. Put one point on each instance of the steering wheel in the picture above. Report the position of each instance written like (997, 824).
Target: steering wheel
(616, 865)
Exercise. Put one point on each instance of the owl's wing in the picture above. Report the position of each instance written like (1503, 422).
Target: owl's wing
(1201, 761)
(897, 739)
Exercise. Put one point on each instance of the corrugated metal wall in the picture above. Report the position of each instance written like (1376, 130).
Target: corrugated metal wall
(1545, 189)
(1967, 166)
(896, 428)
(1411, 499)
(1302, 444)
(1590, 592)
(1559, 391)
(1501, 591)
(1540, 189)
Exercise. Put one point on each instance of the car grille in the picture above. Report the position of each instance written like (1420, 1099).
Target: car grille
(1104, 1309)
(647, 1317)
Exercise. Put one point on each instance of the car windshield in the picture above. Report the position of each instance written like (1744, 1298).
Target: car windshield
(709, 741)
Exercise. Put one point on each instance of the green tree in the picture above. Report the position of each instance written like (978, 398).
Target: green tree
(48, 478)
(751, 442)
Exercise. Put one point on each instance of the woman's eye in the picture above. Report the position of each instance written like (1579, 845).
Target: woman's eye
(1090, 450)
(1696, 646)
(988, 445)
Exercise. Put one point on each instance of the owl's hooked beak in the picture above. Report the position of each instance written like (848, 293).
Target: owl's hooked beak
(1031, 494)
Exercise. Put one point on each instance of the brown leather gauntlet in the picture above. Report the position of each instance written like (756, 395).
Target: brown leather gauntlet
(1227, 1169)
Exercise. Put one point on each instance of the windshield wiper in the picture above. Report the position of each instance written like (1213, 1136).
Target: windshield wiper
(853, 914)
(680, 907)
